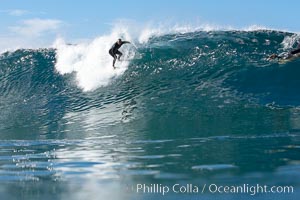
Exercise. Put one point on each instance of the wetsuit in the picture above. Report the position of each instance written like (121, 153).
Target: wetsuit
(288, 56)
(295, 51)
(115, 49)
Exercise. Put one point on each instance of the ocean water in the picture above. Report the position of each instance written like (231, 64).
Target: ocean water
(197, 109)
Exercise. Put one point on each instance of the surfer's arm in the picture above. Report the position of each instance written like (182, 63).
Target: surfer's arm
(124, 42)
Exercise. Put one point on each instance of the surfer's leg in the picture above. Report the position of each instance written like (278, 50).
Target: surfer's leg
(114, 61)
(111, 53)
(115, 58)
(120, 54)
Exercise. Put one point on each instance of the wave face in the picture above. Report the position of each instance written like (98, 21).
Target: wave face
(192, 92)
(184, 75)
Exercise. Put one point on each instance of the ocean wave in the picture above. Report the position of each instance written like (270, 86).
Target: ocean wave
(181, 74)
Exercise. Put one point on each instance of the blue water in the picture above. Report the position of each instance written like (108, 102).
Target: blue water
(195, 108)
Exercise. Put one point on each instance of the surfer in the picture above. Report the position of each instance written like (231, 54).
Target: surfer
(114, 50)
(289, 55)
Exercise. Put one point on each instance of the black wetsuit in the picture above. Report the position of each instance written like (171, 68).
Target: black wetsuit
(288, 56)
(115, 49)
(295, 51)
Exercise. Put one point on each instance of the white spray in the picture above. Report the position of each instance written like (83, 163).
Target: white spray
(91, 61)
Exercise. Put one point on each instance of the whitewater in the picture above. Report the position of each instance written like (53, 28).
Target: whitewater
(185, 105)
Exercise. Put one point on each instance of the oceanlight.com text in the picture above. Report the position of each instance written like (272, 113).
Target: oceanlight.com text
(251, 189)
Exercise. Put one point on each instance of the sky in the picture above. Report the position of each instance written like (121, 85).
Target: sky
(39, 22)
